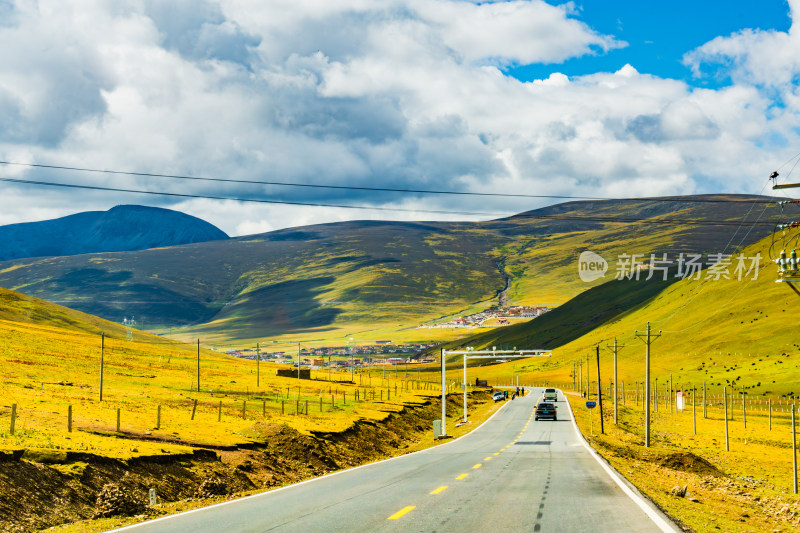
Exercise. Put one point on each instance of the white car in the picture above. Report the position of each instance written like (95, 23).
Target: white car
(550, 395)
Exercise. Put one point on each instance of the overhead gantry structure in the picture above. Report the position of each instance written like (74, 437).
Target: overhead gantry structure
(480, 354)
(787, 258)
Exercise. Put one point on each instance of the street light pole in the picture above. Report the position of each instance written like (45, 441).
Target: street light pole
(465, 388)
(444, 397)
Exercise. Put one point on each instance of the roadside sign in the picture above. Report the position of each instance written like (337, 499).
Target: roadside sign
(591, 405)
(679, 401)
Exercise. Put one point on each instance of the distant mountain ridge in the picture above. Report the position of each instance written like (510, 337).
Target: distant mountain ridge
(348, 278)
(124, 228)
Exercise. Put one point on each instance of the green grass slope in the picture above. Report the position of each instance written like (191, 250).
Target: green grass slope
(578, 317)
(360, 278)
(724, 332)
(24, 309)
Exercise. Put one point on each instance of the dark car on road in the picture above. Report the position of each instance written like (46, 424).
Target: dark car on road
(545, 410)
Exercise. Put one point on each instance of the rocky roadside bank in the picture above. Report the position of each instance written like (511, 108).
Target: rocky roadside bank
(41, 489)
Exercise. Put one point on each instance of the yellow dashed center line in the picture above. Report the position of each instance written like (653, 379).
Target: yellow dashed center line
(477, 466)
(401, 512)
(440, 489)
(462, 476)
(496, 453)
(487, 458)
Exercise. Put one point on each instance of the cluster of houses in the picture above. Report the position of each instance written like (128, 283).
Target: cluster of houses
(504, 315)
(323, 356)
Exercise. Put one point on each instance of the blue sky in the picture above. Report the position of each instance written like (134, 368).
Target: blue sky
(596, 98)
(658, 35)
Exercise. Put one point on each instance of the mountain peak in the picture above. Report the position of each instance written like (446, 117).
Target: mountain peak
(121, 228)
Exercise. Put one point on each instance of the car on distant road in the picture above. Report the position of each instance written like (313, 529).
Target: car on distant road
(498, 396)
(545, 410)
(550, 395)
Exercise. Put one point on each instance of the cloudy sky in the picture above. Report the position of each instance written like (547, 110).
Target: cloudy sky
(596, 98)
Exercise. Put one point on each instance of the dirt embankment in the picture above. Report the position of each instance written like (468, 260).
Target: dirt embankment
(40, 490)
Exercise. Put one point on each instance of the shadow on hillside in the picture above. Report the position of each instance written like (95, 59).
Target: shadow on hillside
(286, 307)
(121, 297)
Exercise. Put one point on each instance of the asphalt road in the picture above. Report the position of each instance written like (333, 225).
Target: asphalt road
(511, 474)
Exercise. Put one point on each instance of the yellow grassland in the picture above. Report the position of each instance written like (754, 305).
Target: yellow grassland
(47, 369)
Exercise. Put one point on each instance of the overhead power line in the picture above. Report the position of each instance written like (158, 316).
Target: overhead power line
(649, 220)
(588, 218)
(256, 200)
(373, 189)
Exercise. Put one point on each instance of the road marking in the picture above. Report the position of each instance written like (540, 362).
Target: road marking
(462, 476)
(398, 458)
(664, 524)
(487, 458)
(496, 453)
(401, 512)
(440, 489)
(477, 466)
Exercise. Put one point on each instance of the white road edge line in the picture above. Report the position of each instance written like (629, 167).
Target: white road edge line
(312, 480)
(638, 499)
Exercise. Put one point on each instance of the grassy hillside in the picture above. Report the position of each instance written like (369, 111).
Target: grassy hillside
(374, 280)
(578, 317)
(722, 332)
(242, 431)
(50, 357)
(713, 334)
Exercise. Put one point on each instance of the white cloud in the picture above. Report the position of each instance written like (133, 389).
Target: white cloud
(750, 56)
(388, 93)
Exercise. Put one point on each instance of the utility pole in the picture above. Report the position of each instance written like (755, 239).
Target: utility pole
(298, 362)
(670, 393)
(655, 393)
(588, 383)
(648, 340)
(352, 361)
(198, 365)
(102, 349)
(600, 391)
(616, 348)
(574, 375)
(258, 363)
(744, 409)
(705, 413)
